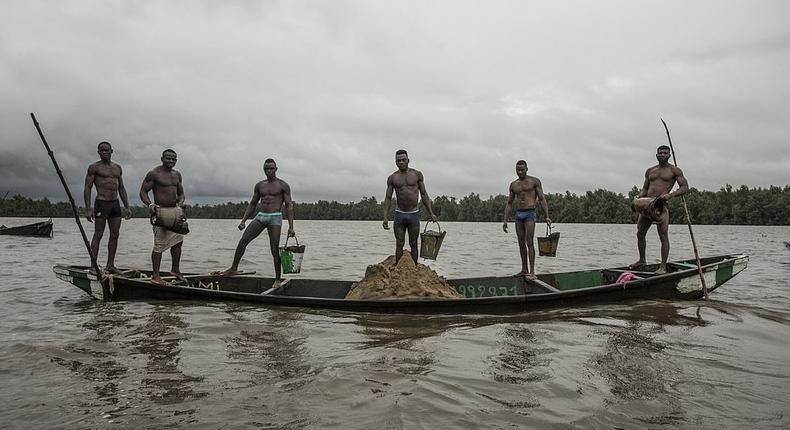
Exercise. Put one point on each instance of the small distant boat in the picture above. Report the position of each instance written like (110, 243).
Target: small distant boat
(484, 295)
(39, 229)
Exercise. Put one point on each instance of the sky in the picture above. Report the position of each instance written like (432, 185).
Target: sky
(331, 89)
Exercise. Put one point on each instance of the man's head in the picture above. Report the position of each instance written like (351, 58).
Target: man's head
(662, 154)
(402, 160)
(521, 169)
(105, 151)
(169, 158)
(270, 168)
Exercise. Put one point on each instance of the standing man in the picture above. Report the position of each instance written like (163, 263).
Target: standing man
(659, 181)
(271, 196)
(526, 191)
(106, 176)
(166, 184)
(409, 186)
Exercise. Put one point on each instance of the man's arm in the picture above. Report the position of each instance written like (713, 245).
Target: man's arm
(387, 202)
(256, 197)
(508, 207)
(645, 185)
(180, 191)
(148, 184)
(683, 185)
(426, 200)
(86, 193)
(122, 193)
(289, 207)
(542, 200)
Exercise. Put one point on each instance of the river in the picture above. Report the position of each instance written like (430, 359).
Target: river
(71, 362)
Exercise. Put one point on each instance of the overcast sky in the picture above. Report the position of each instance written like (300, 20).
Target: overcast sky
(330, 89)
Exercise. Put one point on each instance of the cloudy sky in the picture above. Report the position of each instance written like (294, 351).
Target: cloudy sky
(331, 89)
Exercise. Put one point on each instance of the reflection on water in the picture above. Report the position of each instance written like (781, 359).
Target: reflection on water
(159, 339)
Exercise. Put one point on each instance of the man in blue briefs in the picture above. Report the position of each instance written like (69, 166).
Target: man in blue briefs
(526, 191)
(269, 198)
(409, 186)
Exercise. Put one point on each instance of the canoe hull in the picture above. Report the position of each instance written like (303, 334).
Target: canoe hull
(39, 229)
(494, 295)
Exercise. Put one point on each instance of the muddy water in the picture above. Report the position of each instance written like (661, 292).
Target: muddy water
(71, 362)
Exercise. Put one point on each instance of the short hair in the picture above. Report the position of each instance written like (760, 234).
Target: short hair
(168, 150)
(520, 162)
(401, 151)
(270, 160)
(104, 142)
(663, 147)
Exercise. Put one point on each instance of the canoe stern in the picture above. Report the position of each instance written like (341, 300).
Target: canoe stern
(81, 279)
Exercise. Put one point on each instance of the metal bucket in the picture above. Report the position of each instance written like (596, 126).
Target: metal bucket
(430, 242)
(548, 245)
(291, 257)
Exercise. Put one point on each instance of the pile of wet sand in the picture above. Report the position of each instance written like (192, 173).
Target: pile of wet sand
(387, 280)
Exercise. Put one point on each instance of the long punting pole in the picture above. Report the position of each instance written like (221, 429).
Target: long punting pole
(688, 218)
(68, 192)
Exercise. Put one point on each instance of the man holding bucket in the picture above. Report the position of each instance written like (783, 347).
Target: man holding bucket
(166, 183)
(409, 186)
(526, 191)
(270, 196)
(659, 181)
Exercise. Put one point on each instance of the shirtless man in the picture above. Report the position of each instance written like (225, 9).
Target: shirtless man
(106, 176)
(659, 181)
(526, 191)
(271, 196)
(409, 186)
(168, 190)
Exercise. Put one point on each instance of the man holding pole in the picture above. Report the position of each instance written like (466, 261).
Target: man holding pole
(106, 176)
(166, 184)
(659, 181)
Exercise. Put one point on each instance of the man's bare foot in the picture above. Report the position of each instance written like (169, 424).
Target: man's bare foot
(112, 270)
(159, 281)
(520, 274)
(636, 265)
(531, 276)
(179, 276)
(661, 270)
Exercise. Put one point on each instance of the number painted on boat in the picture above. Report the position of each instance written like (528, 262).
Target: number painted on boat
(473, 291)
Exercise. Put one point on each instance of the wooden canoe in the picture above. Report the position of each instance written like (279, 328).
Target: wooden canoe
(481, 295)
(39, 229)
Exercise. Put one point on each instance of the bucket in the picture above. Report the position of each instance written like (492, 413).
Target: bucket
(291, 257)
(548, 245)
(172, 219)
(651, 207)
(430, 242)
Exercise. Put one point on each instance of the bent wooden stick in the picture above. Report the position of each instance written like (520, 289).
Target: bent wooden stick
(688, 219)
(71, 199)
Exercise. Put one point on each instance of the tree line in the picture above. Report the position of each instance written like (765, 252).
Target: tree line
(741, 206)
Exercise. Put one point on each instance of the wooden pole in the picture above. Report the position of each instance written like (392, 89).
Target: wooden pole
(688, 219)
(71, 199)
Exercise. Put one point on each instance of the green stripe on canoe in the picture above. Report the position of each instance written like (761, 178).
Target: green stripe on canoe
(80, 281)
(576, 280)
(723, 273)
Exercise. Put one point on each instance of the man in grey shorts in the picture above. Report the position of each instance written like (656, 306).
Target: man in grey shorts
(269, 198)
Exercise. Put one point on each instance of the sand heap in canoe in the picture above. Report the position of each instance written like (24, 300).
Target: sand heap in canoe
(387, 280)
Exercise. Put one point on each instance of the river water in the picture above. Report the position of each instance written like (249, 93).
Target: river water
(68, 361)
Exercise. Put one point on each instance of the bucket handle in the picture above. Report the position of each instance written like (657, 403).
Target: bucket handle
(426, 226)
(295, 238)
(548, 229)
